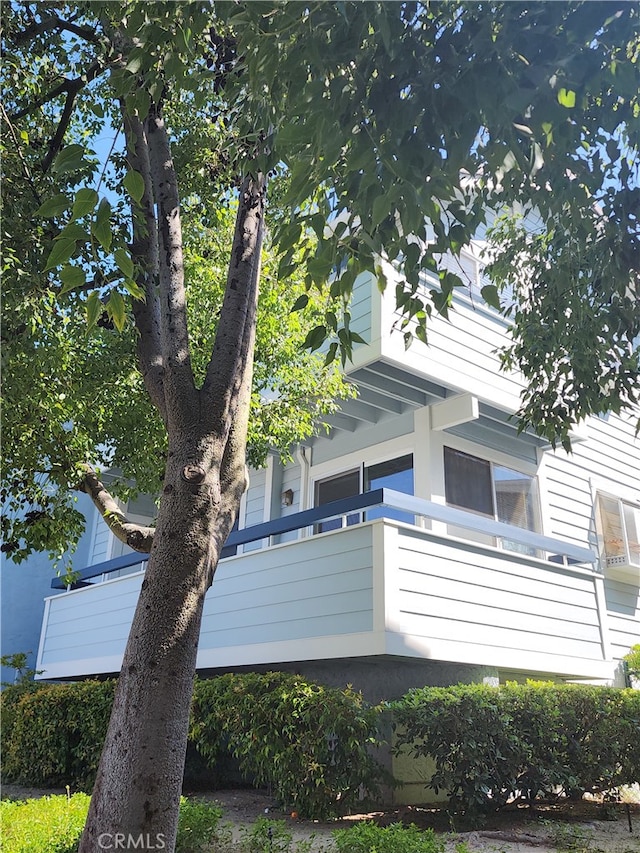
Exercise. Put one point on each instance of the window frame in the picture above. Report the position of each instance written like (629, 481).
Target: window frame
(616, 566)
(500, 460)
(359, 461)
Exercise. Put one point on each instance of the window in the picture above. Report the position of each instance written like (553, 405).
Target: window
(334, 489)
(394, 474)
(618, 525)
(493, 490)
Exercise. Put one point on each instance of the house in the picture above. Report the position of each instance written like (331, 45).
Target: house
(423, 540)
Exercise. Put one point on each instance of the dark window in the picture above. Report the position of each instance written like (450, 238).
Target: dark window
(492, 490)
(468, 482)
(334, 489)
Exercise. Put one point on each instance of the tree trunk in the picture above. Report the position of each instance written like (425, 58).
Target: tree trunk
(135, 801)
(139, 780)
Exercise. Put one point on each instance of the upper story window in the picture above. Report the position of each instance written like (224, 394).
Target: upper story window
(618, 525)
(501, 493)
(394, 474)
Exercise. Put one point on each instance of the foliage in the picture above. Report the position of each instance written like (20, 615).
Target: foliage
(55, 732)
(46, 825)
(54, 824)
(10, 699)
(309, 743)
(280, 727)
(535, 108)
(367, 837)
(632, 659)
(270, 836)
(197, 825)
(491, 744)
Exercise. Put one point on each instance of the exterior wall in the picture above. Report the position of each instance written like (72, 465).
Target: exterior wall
(623, 611)
(24, 588)
(377, 589)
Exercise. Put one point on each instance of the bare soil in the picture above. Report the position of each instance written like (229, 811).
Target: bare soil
(587, 826)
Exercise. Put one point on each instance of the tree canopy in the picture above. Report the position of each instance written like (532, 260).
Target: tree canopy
(380, 133)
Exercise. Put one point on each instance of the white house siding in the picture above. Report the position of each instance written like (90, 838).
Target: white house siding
(379, 588)
(623, 613)
(270, 605)
(87, 629)
(480, 605)
(460, 354)
(291, 479)
(102, 541)
(608, 459)
(254, 503)
(360, 307)
(363, 437)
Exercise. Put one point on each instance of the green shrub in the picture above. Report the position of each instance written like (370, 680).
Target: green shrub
(367, 837)
(47, 825)
(197, 825)
(267, 836)
(56, 734)
(10, 699)
(632, 660)
(309, 743)
(491, 744)
(55, 824)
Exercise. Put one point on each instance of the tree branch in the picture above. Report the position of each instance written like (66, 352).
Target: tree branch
(227, 386)
(66, 87)
(25, 168)
(53, 22)
(56, 142)
(136, 536)
(181, 396)
(145, 256)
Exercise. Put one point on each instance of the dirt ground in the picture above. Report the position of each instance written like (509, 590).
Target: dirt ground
(574, 827)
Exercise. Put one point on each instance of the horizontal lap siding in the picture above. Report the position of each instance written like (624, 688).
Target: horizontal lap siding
(91, 622)
(610, 455)
(360, 308)
(323, 587)
(254, 504)
(485, 599)
(623, 613)
(461, 353)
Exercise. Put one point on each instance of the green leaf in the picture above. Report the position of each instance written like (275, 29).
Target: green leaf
(124, 262)
(300, 303)
(53, 206)
(133, 289)
(134, 185)
(567, 98)
(84, 202)
(491, 296)
(62, 250)
(315, 338)
(69, 159)
(380, 210)
(93, 309)
(117, 311)
(73, 231)
(72, 277)
(101, 228)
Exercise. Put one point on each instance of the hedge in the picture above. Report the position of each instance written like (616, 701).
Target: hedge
(314, 746)
(492, 744)
(307, 742)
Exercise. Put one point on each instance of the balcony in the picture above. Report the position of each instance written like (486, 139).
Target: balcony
(376, 588)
